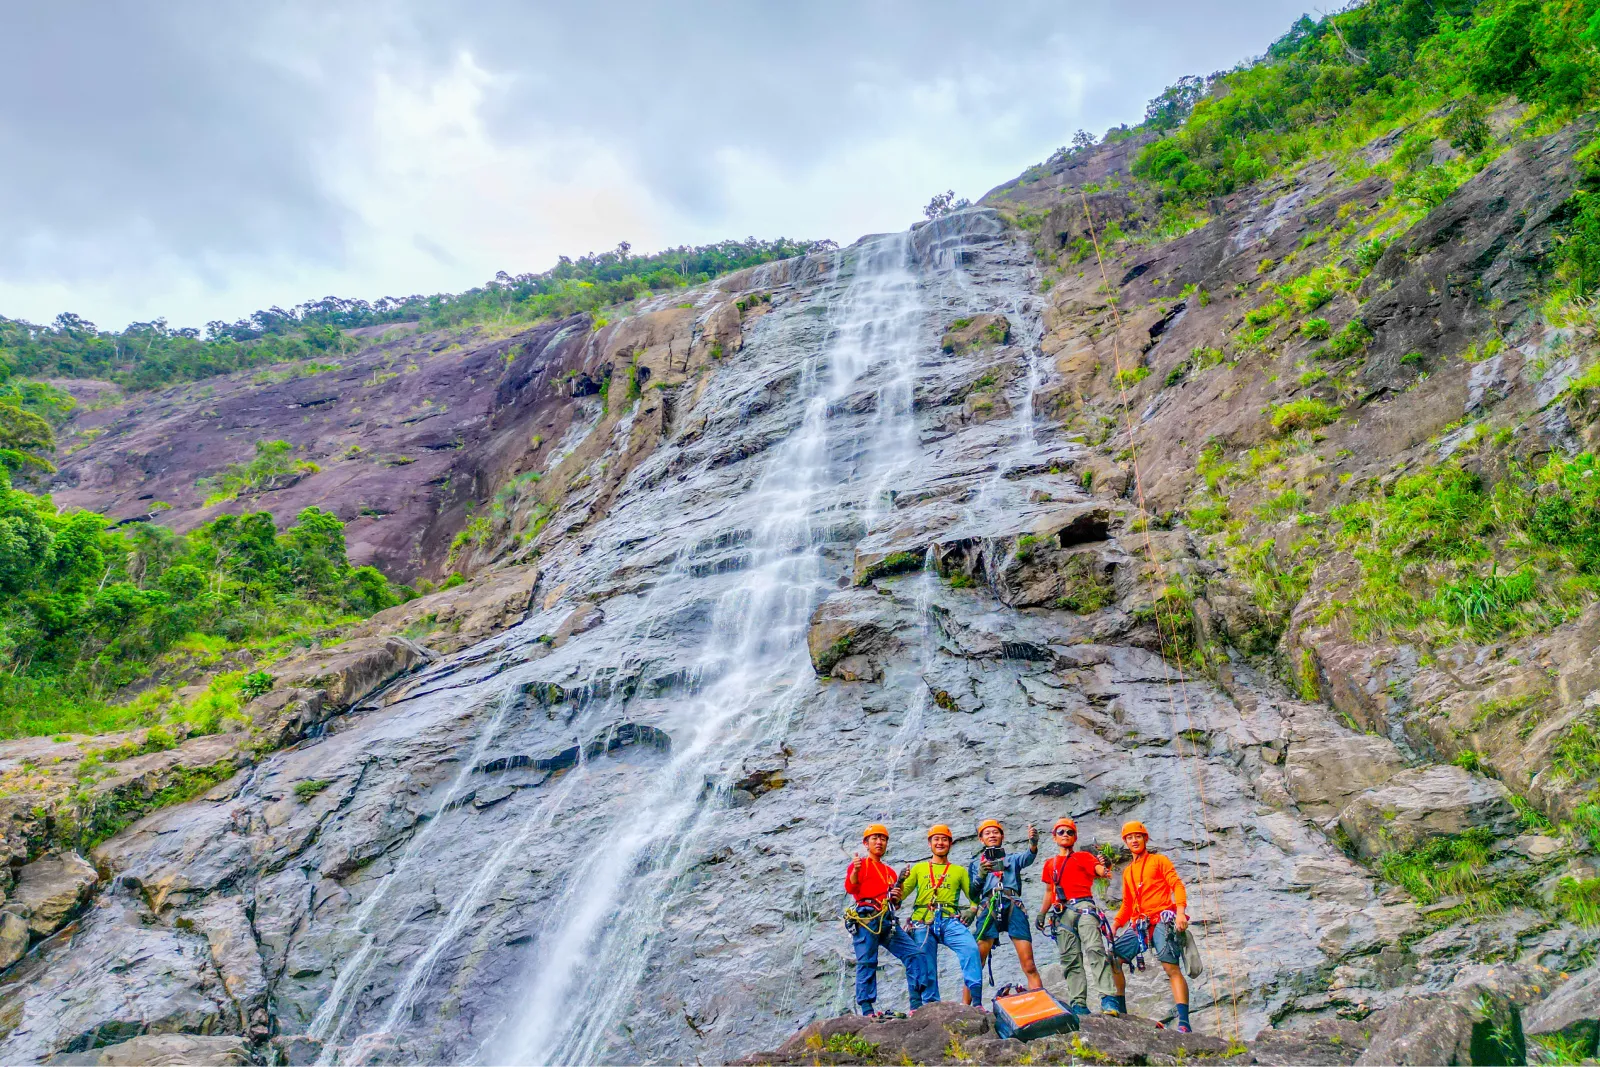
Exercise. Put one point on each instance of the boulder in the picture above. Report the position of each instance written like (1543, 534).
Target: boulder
(155, 1050)
(451, 619)
(848, 625)
(296, 1050)
(1432, 1029)
(50, 891)
(1571, 1013)
(1131, 1039)
(1065, 560)
(949, 1033)
(977, 332)
(13, 938)
(1328, 1041)
(923, 1038)
(284, 716)
(1426, 802)
(872, 564)
(1323, 773)
(1477, 1020)
(350, 671)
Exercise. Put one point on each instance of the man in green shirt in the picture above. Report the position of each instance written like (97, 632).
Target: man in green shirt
(936, 887)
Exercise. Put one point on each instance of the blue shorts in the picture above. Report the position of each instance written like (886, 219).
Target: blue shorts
(1010, 919)
(1164, 942)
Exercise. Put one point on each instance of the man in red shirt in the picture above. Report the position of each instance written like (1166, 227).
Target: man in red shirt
(1073, 917)
(873, 885)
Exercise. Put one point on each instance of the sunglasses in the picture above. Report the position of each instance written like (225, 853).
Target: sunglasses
(1066, 833)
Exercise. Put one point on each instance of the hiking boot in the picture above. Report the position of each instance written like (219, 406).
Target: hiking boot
(1081, 1009)
(1183, 1028)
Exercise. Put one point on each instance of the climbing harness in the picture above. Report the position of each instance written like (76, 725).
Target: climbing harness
(1133, 943)
(1160, 571)
(873, 916)
(1083, 906)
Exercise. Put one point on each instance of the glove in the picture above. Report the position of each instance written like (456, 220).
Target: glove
(1039, 923)
(968, 915)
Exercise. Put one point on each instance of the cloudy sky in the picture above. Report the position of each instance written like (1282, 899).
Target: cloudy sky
(197, 159)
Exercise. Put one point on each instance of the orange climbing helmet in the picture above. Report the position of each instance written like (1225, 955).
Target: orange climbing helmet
(1134, 827)
(874, 828)
(985, 824)
(940, 828)
(1064, 823)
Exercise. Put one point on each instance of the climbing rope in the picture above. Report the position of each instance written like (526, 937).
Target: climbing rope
(1161, 630)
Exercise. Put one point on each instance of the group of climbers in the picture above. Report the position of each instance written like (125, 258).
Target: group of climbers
(1093, 948)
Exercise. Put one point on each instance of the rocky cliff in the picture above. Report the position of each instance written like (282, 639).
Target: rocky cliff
(911, 531)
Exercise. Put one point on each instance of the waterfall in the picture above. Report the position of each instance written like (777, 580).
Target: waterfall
(597, 941)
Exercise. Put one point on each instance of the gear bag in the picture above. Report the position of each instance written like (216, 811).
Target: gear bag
(1193, 965)
(1027, 1014)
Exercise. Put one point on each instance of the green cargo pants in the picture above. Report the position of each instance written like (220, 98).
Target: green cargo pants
(1084, 965)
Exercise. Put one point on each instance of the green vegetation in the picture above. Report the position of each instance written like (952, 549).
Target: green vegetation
(1131, 376)
(1555, 1050)
(112, 813)
(1087, 587)
(1442, 553)
(1351, 340)
(272, 468)
(29, 414)
(86, 609)
(1576, 755)
(851, 1045)
(1307, 414)
(1455, 866)
(149, 355)
(894, 563)
(305, 790)
(1579, 900)
(1329, 85)
(1172, 614)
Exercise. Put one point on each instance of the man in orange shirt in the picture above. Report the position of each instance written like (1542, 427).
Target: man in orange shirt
(874, 886)
(1155, 907)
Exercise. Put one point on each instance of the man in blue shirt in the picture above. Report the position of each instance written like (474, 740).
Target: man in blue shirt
(997, 883)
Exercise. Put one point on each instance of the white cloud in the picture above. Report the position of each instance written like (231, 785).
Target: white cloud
(200, 161)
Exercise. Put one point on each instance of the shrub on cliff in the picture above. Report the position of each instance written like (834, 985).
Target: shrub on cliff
(1443, 553)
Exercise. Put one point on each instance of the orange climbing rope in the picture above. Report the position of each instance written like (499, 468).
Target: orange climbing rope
(1160, 572)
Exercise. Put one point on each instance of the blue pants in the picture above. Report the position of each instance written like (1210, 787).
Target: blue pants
(946, 930)
(902, 948)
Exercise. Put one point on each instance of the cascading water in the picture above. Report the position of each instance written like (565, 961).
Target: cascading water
(597, 943)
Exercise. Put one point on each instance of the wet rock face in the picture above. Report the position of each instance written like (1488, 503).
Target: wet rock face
(799, 597)
(160, 1050)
